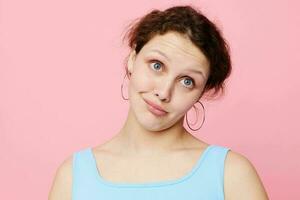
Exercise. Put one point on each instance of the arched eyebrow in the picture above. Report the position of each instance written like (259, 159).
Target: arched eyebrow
(161, 53)
(196, 71)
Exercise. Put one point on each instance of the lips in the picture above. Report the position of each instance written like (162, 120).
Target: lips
(157, 107)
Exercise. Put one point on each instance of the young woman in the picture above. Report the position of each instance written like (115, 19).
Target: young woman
(177, 55)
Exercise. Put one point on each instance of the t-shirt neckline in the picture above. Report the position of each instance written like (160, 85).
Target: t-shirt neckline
(147, 184)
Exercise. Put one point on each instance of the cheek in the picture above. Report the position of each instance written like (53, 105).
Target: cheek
(183, 105)
(141, 79)
(183, 102)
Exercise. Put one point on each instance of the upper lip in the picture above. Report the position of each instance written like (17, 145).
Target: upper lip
(154, 105)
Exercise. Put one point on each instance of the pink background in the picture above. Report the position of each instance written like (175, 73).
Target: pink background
(61, 71)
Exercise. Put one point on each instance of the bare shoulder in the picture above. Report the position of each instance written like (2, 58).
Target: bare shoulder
(241, 180)
(61, 188)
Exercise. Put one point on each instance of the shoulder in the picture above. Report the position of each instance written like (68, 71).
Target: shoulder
(62, 183)
(241, 180)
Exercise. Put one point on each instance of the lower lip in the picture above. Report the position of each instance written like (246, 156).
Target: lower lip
(156, 111)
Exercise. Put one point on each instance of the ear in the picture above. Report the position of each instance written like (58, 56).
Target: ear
(131, 59)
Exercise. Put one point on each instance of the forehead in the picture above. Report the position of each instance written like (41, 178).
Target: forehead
(178, 46)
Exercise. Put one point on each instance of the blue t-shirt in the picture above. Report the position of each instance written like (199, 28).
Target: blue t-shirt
(204, 182)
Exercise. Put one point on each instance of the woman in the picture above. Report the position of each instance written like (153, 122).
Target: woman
(176, 57)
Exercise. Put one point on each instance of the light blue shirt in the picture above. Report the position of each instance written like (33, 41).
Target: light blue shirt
(204, 182)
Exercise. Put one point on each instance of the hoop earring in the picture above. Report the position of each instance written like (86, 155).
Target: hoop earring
(122, 89)
(197, 116)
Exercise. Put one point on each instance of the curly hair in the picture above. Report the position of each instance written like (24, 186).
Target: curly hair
(200, 30)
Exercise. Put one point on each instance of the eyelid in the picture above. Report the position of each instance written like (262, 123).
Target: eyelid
(155, 60)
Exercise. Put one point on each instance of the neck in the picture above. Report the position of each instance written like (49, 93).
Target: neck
(138, 140)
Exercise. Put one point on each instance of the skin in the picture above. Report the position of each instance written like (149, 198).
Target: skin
(150, 143)
(168, 85)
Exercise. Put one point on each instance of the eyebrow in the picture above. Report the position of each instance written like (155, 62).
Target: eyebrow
(196, 71)
(161, 53)
(164, 55)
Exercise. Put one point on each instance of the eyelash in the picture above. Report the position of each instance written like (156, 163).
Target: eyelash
(156, 61)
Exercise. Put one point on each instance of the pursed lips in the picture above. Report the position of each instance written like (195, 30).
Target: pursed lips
(154, 105)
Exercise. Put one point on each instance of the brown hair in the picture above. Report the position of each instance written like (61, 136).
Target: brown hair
(199, 29)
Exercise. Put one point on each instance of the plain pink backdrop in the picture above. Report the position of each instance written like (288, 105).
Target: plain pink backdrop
(61, 67)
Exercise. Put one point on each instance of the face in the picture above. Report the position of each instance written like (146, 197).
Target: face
(169, 71)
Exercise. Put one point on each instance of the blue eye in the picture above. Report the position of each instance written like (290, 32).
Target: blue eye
(188, 81)
(156, 64)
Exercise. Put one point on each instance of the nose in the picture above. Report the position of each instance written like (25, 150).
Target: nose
(164, 90)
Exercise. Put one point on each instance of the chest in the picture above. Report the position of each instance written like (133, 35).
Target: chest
(145, 169)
